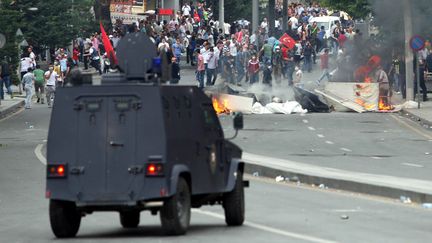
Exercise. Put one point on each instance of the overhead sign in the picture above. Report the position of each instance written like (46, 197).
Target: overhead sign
(166, 11)
(417, 43)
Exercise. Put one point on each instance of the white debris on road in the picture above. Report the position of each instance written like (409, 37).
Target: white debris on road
(288, 107)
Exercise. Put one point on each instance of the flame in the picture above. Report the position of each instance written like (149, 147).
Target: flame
(220, 107)
(383, 105)
(368, 80)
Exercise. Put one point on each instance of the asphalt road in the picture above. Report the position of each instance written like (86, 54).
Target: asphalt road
(373, 143)
(276, 212)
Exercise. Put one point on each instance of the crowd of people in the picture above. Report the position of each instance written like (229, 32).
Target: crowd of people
(235, 53)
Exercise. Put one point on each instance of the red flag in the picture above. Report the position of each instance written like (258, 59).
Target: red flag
(107, 44)
(287, 41)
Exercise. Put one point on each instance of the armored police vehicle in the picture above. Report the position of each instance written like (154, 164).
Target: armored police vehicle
(131, 144)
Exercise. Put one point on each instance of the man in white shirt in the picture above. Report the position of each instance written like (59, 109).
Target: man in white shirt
(212, 63)
(51, 78)
(32, 57)
(186, 9)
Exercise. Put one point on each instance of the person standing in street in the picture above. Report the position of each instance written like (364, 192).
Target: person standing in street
(200, 69)
(5, 80)
(39, 84)
(324, 66)
(50, 86)
(253, 70)
(212, 62)
(28, 81)
(175, 71)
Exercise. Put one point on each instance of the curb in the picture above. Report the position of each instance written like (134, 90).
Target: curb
(423, 122)
(12, 109)
(358, 187)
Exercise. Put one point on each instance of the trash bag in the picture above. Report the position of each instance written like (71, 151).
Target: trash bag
(309, 101)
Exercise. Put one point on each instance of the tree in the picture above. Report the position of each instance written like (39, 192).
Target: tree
(102, 12)
(358, 9)
(54, 24)
(9, 22)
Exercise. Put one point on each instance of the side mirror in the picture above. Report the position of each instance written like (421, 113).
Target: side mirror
(238, 121)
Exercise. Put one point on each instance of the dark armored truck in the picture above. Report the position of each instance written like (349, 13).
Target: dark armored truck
(129, 145)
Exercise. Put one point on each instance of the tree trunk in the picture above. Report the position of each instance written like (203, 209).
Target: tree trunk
(102, 12)
(271, 19)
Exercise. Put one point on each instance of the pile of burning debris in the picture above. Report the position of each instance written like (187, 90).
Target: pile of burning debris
(259, 99)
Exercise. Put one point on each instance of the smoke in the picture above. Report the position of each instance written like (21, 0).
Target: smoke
(387, 36)
(265, 94)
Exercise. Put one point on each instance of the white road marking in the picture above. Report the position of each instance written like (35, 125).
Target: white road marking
(376, 157)
(39, 155)
(268, 229)
(345, 210)
(320, 135)
(305, 121)
(346, 150)
(413, 165)
(329, 142)
(311, 128)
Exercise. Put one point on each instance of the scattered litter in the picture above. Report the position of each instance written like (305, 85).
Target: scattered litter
(311, 150)
(279, 178)
(256, 174)
(427, 205)
(322, 186)
(298, 183)
(405, 199)
(295, 179)
(427, 153)
(344, 217)
(31, 127)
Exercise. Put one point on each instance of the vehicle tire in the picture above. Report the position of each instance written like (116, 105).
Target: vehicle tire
(130, 219)
(234, 204)
(176, 211)
(65, 219)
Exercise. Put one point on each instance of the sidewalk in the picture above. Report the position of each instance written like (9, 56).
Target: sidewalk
(417, 190)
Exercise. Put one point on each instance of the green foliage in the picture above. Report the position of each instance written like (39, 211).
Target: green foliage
(358, 9)
(54, 23)
(9, 22)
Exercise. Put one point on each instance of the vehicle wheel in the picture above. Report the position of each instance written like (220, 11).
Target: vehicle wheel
(176, 211)
(130, 219)
(64, 218)
(233, 203)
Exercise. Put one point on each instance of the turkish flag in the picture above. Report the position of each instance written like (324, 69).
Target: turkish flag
(287, 41)
(107, 44)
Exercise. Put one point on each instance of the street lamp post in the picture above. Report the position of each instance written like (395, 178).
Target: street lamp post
(409, 57)
(222, 15)
(255, 12)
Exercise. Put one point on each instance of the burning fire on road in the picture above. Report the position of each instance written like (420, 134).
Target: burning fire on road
(220, 107)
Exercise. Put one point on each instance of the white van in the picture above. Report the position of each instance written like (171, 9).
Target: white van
(326, 21)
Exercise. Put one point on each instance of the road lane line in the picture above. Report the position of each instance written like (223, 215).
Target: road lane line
(268, 229)
(320, 136)
(418, 131)
(413, 165)
(39, 155)
(329, 142)
(305, 121)
(346, 150)
(311, 128)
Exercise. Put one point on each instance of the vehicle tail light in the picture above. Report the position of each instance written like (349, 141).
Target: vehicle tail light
(57, 171)
(154, 169)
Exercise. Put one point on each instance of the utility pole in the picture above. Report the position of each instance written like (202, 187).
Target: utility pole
(255, 12)
(285, 16)
(409, 57)
(222, 16)
(271, 18)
